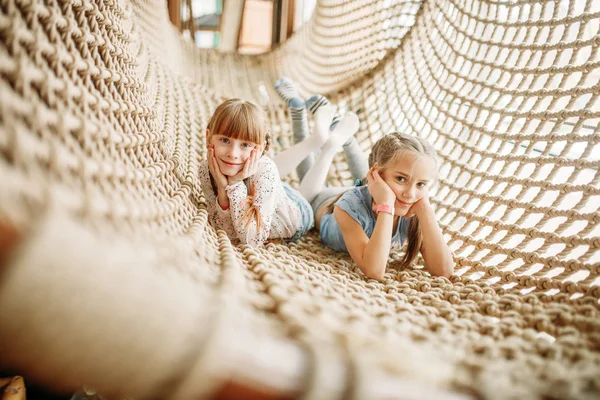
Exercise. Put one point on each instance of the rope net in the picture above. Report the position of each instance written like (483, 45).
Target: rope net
(103, 114)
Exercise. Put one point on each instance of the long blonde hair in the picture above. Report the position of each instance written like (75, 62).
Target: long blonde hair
(385, 151)
(247, 121)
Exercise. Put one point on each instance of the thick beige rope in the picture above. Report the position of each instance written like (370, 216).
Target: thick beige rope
(102, 117)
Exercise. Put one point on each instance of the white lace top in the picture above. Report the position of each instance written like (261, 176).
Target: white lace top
(280, 215)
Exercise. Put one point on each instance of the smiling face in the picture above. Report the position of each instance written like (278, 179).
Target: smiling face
(410, 175)
(234, 130)
(231, 154)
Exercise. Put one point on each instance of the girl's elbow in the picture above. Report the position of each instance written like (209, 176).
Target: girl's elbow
(374, 273)
(372, 266)
(378, 276)
(446, 270)
(446, 273)
(449, 266)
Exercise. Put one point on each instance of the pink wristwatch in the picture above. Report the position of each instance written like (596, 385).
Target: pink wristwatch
(386, 208)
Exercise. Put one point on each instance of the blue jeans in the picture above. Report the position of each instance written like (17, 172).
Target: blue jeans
(307, 217)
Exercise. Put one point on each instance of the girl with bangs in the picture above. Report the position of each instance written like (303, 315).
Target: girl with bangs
(242, 186)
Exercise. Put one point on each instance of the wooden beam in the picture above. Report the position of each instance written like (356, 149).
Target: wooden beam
(291, 13)
(190, 22)
(175, 12)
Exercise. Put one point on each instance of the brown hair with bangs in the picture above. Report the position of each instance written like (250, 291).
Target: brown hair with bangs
(240, 119)
(247, 121)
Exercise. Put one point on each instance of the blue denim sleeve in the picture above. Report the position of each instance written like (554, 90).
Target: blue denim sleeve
(352, 203)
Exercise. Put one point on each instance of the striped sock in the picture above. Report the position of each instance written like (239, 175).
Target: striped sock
(288, 92)
(316, 102)
(300, 131)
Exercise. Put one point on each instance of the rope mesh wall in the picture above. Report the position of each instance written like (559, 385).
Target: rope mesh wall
(103, 114)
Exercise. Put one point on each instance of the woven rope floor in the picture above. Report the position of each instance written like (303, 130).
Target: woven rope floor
(102, 119)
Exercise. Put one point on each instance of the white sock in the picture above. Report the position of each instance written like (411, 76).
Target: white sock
(314, 180)
(291, 157)
(323, 118)
(343, 131)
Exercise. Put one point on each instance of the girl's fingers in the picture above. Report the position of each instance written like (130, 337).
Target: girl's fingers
(213, 160)
(246, 166)
(211, 167)
(372, 176)
(216, 169)
(377, 176)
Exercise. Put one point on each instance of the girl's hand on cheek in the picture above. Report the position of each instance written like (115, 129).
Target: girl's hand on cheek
(420, 207)
(250, 167)
(215, 171)
(379, 190)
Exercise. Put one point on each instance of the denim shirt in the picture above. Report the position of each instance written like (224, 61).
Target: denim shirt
(357, 203)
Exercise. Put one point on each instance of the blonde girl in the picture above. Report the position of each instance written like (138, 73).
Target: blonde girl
(391, 210)
(242, 186)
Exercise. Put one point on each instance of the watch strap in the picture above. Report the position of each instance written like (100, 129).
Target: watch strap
(386, 208)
